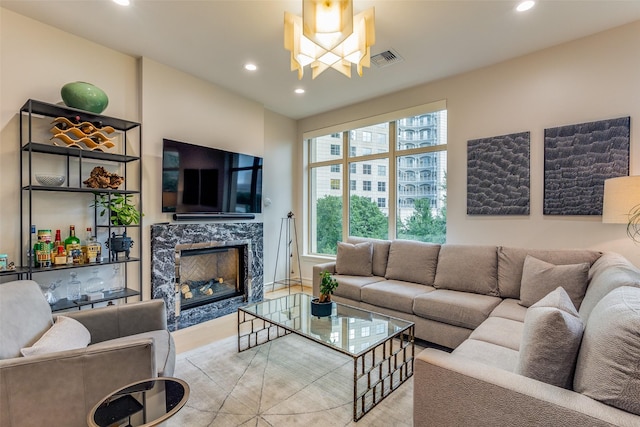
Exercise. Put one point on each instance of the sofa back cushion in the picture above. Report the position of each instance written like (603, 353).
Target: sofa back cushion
(608, 367)
(511, 262)
(550, 340)
(609, 272)
(539, 278)
(380, 253)
(354, 259)
(468, 268)
(412, 261)
(25, 316)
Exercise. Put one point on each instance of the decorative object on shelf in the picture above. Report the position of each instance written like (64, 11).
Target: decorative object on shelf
(119, 243)
(115, 284)
(4, 262)
(322, 306)
(93, 136)
(121, 210)
(94, 283)
(74, 288)
(50, 180)
(84, 96)
(102, 178)
(328, 35)
(49, 291)
(621, 204)
(577, 160)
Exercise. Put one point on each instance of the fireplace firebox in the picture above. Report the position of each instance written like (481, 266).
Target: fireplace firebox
(209, 274)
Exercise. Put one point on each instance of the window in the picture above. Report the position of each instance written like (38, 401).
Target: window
(418, 209)
(336, 135)
(365, 331)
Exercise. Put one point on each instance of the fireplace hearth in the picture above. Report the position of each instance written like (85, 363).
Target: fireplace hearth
(204, 271)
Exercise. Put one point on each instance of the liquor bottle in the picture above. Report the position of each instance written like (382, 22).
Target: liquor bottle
(57, 241)
(94, 249)
(31, 255)
(72, 245)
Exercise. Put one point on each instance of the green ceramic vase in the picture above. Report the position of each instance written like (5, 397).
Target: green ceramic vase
(84, 96)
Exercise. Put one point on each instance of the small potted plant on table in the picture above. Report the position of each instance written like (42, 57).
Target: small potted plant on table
(322, 306)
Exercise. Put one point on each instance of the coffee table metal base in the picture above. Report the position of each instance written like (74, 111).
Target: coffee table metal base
(376, 372)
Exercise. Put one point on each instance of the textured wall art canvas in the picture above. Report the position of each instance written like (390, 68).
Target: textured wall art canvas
(498, 175)
(577, 160)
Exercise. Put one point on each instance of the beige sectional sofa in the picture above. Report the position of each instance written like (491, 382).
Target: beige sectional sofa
(490, 305)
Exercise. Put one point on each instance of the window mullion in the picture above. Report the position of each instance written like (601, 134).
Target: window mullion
(393, 187)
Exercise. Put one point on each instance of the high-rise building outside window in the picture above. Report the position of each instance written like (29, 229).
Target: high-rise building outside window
(417, 146)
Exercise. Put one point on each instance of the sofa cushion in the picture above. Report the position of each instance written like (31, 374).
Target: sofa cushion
(608, 367)
(540, 277)
(412, 261)
(24, 316)
(350, 286)
(393, 294)
(510, 309)
(380, 253)
(163, 347)
(500, 331)
(511, 262)
(456, 308)
(550, 340)
(354, 259)
(610, 271)
(65, 334)
(468, 268)
(488, 354)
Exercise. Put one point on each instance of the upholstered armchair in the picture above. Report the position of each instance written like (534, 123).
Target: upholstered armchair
(57, 385)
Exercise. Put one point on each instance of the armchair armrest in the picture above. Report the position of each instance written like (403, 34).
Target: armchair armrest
(118, 321)
(61, 388)
(453, 390)
(319, 268)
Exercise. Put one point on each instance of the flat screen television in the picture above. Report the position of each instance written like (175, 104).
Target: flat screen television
(199, 179)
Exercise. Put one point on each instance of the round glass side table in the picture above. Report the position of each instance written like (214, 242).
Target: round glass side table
(143, 403)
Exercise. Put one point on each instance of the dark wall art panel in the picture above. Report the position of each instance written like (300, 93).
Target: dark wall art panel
(577, 160)
(498, 175)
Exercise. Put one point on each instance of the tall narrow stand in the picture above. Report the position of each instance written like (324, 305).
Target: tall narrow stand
(285, 231)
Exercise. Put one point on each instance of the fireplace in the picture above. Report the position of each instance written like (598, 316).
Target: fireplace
(209, 272)
(199, 255)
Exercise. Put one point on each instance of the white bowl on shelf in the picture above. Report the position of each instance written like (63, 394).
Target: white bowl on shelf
(50, 180)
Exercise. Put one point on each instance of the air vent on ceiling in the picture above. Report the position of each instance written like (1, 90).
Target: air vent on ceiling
(386, 58)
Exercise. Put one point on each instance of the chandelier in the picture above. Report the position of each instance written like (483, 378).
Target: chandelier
(329, 36)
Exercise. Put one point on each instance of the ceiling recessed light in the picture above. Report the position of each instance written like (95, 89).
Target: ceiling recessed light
(299, 91)
(122, 2)
(525, 5)
(250, 67)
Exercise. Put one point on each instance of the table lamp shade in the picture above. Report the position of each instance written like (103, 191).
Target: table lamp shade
(621, 195)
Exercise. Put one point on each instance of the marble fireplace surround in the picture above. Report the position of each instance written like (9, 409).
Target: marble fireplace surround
(165, 238)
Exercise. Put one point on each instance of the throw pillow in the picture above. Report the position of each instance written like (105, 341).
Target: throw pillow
(65, 334)
(539, 278)
(550, 340)
(412, 261)
(354, 260)
(608, 369)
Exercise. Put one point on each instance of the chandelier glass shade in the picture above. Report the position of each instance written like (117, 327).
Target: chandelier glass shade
(329, 36)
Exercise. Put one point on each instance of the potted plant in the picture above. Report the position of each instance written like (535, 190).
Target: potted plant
(322, 305)
(121, 210)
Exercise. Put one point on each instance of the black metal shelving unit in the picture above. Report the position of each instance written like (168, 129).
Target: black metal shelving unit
(35, 141)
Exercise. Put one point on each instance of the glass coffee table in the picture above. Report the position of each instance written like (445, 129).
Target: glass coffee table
(382, 347)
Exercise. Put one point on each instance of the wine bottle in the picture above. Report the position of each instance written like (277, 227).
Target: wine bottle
(72, 245)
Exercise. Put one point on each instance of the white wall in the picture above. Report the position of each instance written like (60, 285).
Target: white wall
(37, 60)
(594, 78)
